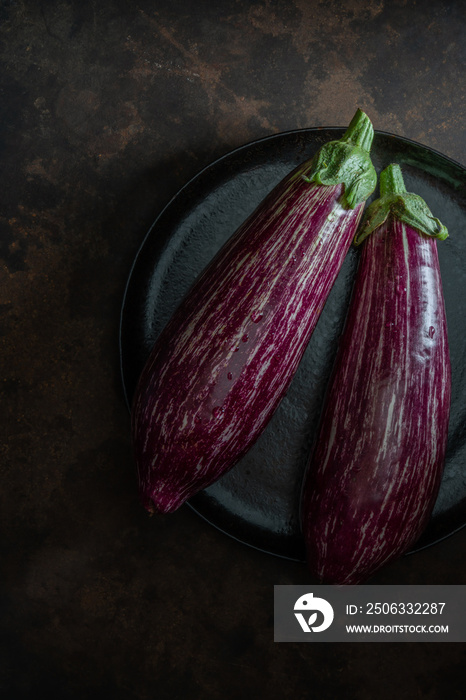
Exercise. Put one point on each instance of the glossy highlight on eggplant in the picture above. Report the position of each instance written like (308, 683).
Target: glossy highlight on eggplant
(225, 359)
(376, 468)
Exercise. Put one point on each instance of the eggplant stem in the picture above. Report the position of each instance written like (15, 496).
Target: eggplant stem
(347, 161)
(405, 206)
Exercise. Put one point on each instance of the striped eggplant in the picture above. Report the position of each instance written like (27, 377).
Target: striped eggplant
(225, 359)
(376, 467)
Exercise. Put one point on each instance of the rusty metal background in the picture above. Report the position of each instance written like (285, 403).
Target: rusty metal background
(106, 110)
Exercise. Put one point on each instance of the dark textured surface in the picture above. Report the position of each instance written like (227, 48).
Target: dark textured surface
(106, 110)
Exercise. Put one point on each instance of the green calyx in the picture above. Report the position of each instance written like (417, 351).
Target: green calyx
(347, 161)
(396, 201)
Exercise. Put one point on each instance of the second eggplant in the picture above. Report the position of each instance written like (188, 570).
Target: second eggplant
(377, 464)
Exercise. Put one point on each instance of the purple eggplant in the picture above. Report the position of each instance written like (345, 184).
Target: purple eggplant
(376, 467)
(225, 359)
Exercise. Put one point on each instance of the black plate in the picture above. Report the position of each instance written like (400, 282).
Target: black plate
(257, 501)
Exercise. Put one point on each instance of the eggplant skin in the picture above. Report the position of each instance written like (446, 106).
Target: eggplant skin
(226, 358)
(375, 472)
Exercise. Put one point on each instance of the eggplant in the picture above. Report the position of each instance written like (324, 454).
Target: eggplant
(226, 357)
(376, 466)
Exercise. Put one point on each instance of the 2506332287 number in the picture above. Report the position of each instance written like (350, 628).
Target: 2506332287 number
(404, 608)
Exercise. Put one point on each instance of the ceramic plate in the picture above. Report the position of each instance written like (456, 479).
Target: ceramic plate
(257, 501)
